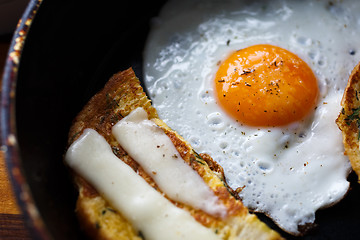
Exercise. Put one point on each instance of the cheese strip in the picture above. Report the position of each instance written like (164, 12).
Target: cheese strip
(149, 212)
(147, 143)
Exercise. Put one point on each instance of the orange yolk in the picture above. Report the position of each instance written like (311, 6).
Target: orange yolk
(265, 85)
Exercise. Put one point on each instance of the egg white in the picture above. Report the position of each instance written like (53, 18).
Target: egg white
(286, 172)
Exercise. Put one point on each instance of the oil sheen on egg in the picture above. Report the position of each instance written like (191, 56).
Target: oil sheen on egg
(286, 169)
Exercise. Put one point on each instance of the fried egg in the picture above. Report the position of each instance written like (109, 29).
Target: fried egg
(257, 85)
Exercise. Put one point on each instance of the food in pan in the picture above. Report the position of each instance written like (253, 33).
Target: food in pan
(349, 119)
(203, 58)
(139, 179)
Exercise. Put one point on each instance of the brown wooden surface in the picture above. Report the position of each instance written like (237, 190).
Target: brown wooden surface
(11, 219)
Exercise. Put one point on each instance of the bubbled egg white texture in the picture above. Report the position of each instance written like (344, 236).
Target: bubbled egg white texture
(287, 172)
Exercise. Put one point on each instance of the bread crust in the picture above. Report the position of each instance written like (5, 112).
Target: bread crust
(348, 120)
(122, 94)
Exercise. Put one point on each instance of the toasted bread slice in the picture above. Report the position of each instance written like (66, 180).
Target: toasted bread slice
(122, 94)
(349, 119)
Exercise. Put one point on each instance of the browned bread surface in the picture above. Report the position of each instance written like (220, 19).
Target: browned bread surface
(349, 119)
(122, 94)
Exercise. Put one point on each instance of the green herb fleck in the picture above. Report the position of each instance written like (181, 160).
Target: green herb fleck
(74, 136)
(197, 158)
(111, 103)
(192, 159)
(354, 117)
(196, 154)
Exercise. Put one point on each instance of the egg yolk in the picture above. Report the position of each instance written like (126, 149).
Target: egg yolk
(265, 85)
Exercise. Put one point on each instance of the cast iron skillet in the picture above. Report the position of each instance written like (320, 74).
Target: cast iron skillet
(71, 50)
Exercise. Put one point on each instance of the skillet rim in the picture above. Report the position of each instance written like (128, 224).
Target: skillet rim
(9, 146)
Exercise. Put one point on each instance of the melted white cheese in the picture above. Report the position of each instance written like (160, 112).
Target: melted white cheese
(148, 144)
(149, 212)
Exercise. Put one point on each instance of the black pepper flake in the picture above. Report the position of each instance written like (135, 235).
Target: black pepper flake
(102, 119)
(116, 150)
(221, 80)
(247, 71)
(97, 225)
(141, 235)
(352, 52)
(110, 210)
(228, 42)
(247, 84)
